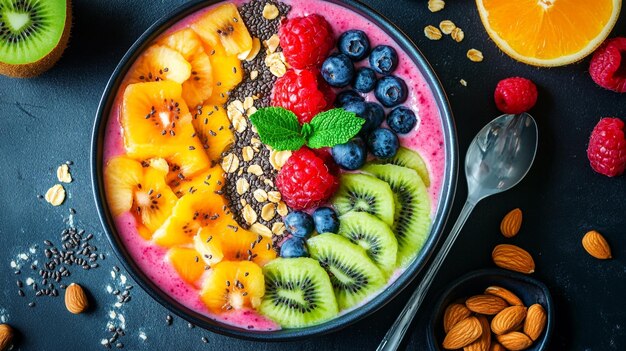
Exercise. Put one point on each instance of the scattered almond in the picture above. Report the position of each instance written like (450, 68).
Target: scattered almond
(511, 223)
(270, 11)
(436, 5)
(513, 258)
(63, 174)
(505, 294)
(535, 321)
(454, 314)
(595, 245)
(6, 336)
(515, 341)
(55, 195)
(486, 304)
(447, 26)
(75, 299)
(508, 319)
(463, 333)
(474, 55)
(432, 33)
(458, 35)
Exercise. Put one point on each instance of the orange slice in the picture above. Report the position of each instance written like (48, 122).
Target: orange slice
(548, 32)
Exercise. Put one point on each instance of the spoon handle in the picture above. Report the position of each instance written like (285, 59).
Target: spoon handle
(394, 336)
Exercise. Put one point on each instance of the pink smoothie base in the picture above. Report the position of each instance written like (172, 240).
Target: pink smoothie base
(427, 139)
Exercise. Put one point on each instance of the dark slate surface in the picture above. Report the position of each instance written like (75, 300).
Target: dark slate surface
(46, 121)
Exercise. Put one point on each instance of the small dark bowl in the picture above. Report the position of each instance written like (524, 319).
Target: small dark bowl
(528, 289)
(439, 218)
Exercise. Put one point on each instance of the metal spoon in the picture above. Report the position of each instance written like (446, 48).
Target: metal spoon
(498, 158)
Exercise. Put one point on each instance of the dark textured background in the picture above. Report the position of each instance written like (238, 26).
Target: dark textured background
(48, 120)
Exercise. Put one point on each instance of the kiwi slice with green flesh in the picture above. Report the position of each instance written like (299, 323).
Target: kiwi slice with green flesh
(353, 275)
(33, 35)
(364, 193)
(412, 219)
(373, 235)
(409, 159)
(298, 293)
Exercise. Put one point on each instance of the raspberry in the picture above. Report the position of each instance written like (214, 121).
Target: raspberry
(306, 41)
(607, 147)
(302, 94)
(608, 65)
(515, 95)
(305, 180)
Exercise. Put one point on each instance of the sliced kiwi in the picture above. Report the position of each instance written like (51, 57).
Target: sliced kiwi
(373, 235)
(364, 193)
(353, 275)
(410, 159)
(298, 293)
(33, 35)
(412, 219)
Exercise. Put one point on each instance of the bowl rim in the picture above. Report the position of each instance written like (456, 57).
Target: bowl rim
(433, 314)
(446, 197)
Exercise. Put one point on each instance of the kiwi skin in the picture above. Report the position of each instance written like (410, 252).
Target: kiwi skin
(33, 69)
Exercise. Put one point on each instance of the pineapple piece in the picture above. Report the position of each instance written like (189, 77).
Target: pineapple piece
(157, 123)
(160, 63)
(199, 86)
(223, 25)
(210, 180)
(213, 128)
(227, 77)
(233, 285)
(232, 243)
(142, 190)
(187, 263)
(191, 212)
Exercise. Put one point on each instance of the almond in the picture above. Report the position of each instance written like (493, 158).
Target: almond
(515, 341)
(454, 314)
(513, 258)
(496, 347)
(483, 343)
(505, 294)
(6, 336)
(486, 304)
(511, 223)
(508, 319)
(463, 333)
(75, 299)
(595, 244)
(535, 321)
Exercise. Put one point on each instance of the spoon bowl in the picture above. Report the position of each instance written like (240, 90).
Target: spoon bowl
(500, 155)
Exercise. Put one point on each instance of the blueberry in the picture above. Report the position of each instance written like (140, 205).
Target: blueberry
(294, 247)
(338, 70)
(364, 80)
(299, 224)
(347, 96)
(374, 117)
(354, 44)
(371, 112)
(391, 91)
(384, 59)
(350, 156)
(326, 220)
(383, 143)
(402, 120)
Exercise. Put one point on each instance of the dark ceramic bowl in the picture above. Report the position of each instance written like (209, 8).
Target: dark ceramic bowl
(445, 200)
(528, 289)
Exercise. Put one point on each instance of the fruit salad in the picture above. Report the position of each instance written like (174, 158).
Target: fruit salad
(273, 164)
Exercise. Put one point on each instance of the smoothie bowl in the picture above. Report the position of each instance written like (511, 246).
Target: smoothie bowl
(273, 170)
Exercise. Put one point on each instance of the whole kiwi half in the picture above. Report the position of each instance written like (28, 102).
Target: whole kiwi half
(33, 35)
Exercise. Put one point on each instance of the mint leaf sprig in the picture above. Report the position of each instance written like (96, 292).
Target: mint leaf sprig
(280, 129)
